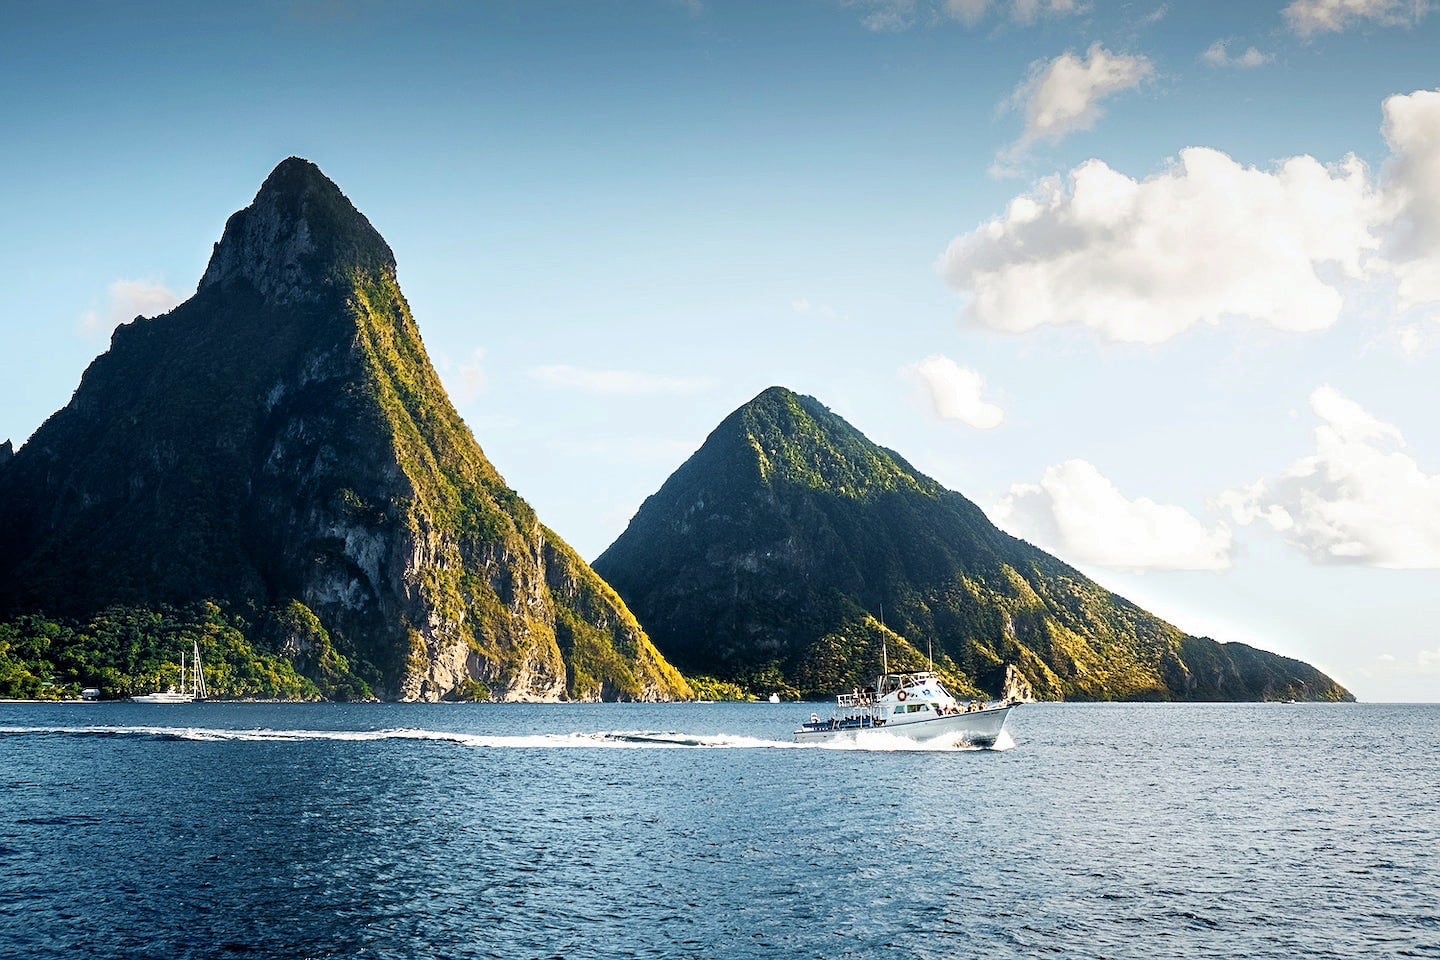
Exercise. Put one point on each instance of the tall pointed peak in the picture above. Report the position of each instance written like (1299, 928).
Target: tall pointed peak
(299, 236)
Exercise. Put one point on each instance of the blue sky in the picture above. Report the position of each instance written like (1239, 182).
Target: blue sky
(1066, 257)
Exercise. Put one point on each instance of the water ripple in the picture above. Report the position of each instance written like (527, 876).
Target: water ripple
(1108, 831)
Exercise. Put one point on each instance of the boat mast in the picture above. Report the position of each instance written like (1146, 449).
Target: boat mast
(884, 647)
(197, 676)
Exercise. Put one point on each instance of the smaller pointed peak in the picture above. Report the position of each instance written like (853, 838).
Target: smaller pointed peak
(6, 451)
(777, 398)
(777, 392)
(299, 235)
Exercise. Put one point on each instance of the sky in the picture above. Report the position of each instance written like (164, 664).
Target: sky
(1156, 284)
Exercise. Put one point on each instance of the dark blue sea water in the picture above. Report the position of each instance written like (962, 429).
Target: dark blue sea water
(1105, 831)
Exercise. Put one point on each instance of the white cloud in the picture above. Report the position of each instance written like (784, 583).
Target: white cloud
(1412, 340)
(1361, 498)
(1144, 261)
(888, 16)
(885, 16)
(1309, 17)
(1079, 515)
(955, 392)
(124, 301)
(1021, 11)
(466, 380)
(1209, 239)
(616, 382)
(1218, 55)
(1064, 95)
(1412, 189)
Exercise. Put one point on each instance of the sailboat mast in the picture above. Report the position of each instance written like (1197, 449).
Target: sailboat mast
(197, 678)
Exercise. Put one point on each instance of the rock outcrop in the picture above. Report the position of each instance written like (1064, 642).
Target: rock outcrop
(281, 443)
(788, 545)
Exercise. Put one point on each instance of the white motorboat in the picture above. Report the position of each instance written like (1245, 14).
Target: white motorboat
(911, 705)
(192, 684)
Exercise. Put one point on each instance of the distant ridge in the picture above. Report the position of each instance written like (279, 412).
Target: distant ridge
(281, 444)
(767, 558)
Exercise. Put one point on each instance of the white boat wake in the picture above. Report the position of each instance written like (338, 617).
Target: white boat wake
(873, 741)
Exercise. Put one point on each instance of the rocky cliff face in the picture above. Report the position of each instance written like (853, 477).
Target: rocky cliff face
(281, 440)
(783, 551)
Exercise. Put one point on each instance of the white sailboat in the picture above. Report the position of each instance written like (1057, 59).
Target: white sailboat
(192, 683)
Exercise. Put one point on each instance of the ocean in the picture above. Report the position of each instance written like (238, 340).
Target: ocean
(698, 831)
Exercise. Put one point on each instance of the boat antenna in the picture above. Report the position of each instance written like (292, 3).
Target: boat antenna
(884, 647)
(930, 652)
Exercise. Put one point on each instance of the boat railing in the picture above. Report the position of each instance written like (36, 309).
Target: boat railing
(858, 699)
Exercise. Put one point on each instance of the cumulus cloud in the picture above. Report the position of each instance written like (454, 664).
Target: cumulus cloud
(955, 392)
(1143, 261)
(1078, 514)
(616, 382)
(1309, 17)
(1412, 188)
(1064, 95)
(1208, 239)
(1218, 55)
(124, 301)
(1361, 498)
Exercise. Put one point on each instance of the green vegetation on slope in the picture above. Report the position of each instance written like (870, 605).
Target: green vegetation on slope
(763, 559)
(281, 444)
(124, 651)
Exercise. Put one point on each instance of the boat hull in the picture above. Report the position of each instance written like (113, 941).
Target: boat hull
(979, 728)
(164, 698)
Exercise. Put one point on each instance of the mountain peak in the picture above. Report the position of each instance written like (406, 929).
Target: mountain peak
(768, 557)
(794, 438)
(298, 236)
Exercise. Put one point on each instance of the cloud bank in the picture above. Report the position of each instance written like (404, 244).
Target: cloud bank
(1210, 239)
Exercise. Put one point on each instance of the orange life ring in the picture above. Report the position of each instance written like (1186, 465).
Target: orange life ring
(901, 695)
